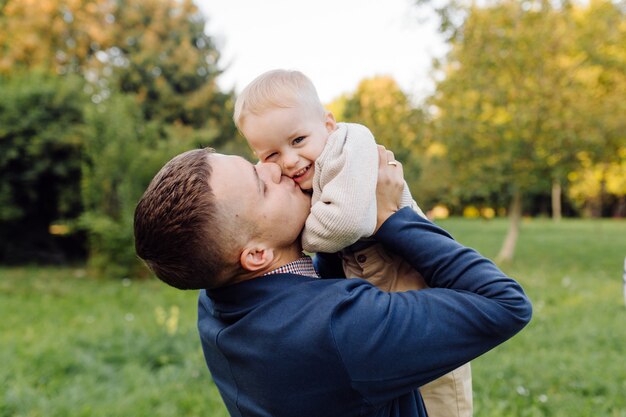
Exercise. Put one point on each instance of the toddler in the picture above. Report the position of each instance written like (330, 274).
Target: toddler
(280, 115)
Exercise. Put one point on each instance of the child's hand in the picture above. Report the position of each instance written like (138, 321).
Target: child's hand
(389, 187)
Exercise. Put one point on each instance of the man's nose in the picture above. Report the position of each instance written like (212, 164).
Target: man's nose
(269, 171)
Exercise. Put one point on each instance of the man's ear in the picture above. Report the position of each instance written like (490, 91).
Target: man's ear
(255, 258)
(329, 121)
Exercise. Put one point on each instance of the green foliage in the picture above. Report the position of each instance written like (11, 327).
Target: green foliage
(122, 153)
(156, 50)
(492, 103)
(41, 123)
(112, 181)
(149, 70)
(380, 104)
(161, 53)
(72, 345)
(522, 101)
(531, 89)
(601, 37)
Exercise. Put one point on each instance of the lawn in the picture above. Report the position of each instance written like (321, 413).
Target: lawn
(72, 345)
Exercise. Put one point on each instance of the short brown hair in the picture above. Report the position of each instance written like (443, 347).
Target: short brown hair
(179, 232)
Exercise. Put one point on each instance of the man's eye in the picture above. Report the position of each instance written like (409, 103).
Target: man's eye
(298, 140)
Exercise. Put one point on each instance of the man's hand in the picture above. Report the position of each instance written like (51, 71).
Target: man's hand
(389, 187)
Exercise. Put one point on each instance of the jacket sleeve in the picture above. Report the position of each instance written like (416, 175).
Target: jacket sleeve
(345, 210)
(392, 343)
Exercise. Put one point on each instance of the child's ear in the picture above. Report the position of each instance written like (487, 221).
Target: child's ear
(255, 258)
(329, 121)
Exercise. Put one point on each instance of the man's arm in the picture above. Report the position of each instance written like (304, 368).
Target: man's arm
(392, 343)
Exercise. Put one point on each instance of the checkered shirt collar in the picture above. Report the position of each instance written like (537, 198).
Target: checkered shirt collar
(301, 266)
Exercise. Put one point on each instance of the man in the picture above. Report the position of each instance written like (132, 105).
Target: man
(281, 342)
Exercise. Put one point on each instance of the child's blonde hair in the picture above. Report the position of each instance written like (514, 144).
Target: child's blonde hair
(276, 89)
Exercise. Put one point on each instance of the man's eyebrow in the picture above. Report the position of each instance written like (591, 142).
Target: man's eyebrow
(260, 184)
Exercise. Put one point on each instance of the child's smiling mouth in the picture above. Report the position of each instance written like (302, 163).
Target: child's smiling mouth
(297, 176)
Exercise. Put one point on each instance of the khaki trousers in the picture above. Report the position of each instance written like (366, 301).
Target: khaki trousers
(447, 396)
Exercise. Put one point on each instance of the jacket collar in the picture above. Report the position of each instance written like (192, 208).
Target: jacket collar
(236, 300)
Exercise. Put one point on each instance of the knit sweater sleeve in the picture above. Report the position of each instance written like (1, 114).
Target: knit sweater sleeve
(343, 205)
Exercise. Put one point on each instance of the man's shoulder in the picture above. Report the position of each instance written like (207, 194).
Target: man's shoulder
(330, 288)
(286, 285)
(314, 300)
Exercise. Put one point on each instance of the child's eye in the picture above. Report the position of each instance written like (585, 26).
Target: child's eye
(298, 140)
(271, 157)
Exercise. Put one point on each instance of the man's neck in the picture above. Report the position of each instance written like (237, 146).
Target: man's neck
(282, 257)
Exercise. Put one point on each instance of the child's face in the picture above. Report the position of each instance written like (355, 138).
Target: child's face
(291, 137)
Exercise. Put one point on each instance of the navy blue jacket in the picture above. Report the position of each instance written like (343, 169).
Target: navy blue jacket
(289, 345)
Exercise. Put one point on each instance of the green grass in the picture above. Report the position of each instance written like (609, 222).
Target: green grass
(72, 345)
(75, 346)
(570, 360)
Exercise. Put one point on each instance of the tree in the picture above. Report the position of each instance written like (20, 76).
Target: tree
(156, 50)
(380, 104)
(55, 36)
(122, 153)
(601, 37)
(41, 126)
(504, 108)
(149, 71)
(161, 53)
(591, 183)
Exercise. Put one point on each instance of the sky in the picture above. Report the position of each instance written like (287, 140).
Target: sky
(336, 43)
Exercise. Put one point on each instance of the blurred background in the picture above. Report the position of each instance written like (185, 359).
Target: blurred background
(509, 117)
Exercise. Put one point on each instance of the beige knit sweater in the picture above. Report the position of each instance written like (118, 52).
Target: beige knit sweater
(343, 205)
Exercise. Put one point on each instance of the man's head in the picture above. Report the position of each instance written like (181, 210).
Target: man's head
(208, 220)
(281, 116)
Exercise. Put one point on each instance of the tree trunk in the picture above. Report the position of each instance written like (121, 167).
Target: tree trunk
(515, 216)
(597, 203)
(556, 200)
(620, 207)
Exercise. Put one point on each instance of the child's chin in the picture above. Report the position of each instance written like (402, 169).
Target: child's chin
(306, 186)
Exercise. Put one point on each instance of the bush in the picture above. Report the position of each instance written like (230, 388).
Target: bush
(41, 121)
(122, 153)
